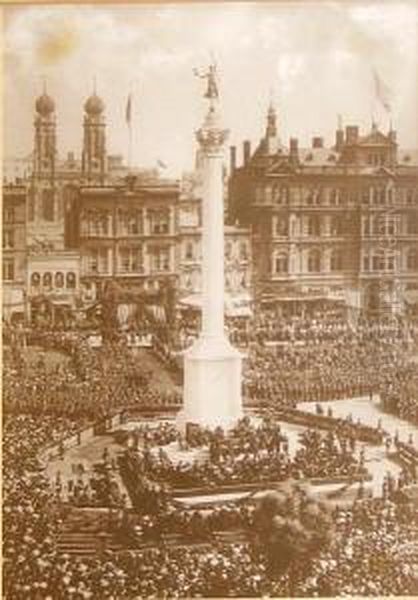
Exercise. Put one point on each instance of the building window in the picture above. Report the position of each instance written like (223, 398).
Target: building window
(243, 251)
(412, 260)
(376, 263)
(8, 269)
(48, 205)
(189, 251)
(59, 280)
(336, 260)
(70, 280)
(282, 227)
(130, 260)
(98, 260)
(35, 280)
(47, 281)
(160, 221)
(130, 222)
(409, 195)
(366, 263)
(379, 195)
(336, 226)
(8, 239)
(365, 195)
(160, 259)
(313, 225)
(281, 264)
(314, 261)
(390, 262)
(9, 215)
(333, 196)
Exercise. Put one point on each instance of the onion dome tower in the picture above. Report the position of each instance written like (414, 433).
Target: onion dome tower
(93, 163)
(45, 137)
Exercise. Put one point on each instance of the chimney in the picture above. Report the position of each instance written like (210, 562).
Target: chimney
(351, 134)
(247, 152)
(317, 142)
(392, 136)
(232, 159)
(294, 152)
(339, 139)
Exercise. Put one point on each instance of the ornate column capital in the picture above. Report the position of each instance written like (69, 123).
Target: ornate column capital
(211, 140)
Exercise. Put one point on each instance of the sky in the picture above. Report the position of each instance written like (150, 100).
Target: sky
(314, 60)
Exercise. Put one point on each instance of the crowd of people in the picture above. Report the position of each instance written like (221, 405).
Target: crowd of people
(374, 551)
(248, 454)
(89, 386)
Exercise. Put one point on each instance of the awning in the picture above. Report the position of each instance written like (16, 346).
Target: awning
(235, 306)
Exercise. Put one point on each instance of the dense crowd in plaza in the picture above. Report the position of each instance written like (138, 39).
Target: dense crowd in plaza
(374, 551)
(91, 385)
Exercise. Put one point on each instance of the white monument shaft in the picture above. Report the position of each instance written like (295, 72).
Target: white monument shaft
(213, 247)
(212, 367)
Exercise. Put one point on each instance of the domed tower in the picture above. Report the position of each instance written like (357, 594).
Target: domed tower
(45, 137)
(94, 142)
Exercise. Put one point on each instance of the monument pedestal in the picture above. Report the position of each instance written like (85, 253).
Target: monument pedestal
(212, 384)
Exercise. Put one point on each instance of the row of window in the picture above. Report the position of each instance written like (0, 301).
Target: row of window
(99, 223)
(312, 226)
(376, 262)
(49, 280)
(130, 260)
(314, 262)
(317, 196)
(386, 261)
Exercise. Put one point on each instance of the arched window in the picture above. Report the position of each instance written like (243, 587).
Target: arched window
(47, 280)
(412, 260)
(336, 260)
(59, 280)
(71, 280)
(282, 226)
(313, 225)
(35, 279)
(336, 225)
(281, 264)
(314, 261)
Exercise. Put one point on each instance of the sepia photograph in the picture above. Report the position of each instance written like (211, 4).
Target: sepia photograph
(210, 300)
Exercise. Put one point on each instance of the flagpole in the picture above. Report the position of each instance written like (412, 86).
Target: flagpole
(130, 146)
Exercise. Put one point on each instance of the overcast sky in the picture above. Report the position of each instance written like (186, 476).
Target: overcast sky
(316, 58)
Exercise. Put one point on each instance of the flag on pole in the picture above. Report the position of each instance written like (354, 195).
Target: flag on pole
(382, 91)
(129, 110)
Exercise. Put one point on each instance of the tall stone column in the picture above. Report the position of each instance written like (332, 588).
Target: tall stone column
(212, 367)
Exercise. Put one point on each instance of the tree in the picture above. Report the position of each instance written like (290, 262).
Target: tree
(291, 528)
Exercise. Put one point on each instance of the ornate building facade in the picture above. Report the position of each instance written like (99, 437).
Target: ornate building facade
(336, 223)
(82, 223)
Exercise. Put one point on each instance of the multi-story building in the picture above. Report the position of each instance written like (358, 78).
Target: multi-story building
(127, 233)
(14, 251)
(336, 223)
(79, 224)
